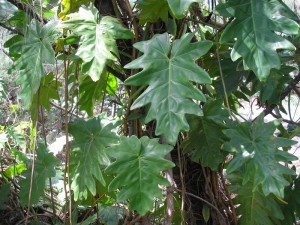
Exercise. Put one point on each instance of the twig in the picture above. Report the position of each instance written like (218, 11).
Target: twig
(284, 120)
(228, 196)
(11, 29)
(182, 182)
(34, 126)
(67, 160)
(136, 219)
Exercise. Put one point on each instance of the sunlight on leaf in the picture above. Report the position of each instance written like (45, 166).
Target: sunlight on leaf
(256, 148)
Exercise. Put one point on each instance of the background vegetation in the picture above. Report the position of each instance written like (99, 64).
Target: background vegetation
(149, 112)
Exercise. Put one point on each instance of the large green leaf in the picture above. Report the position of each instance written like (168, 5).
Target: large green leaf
(44, 168)
(254, 207)
(205, 137)
(168, 70)
(88, 155)
(255, 32)
(138, 167)
(35, 48)
(98, 39)
(256, 148)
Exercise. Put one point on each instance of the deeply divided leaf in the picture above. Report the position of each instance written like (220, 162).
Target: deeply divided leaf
(256, 32)
(256, 148)
(35, 48)
(138, 167)
(152, 10)
(98, 37)
(167, 70)
(88, 155)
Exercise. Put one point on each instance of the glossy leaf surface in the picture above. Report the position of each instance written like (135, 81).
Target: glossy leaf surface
(152, 10)
(138, 165)
(168, 70)
(180, 7)
(93, 91)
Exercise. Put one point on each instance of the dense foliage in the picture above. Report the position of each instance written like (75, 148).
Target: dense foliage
(150, 96)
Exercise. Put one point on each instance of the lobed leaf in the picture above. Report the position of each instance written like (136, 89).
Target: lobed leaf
(152, 10)
(35, 48)
(254, 207)
(256, 32)
(88, 155)
(98, 37)
(256, 148)
(179, 8)
(168, 70)
(205, 136)
(138, 167)
(92, 92)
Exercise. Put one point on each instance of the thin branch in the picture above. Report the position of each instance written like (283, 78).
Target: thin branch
(204, 23)
(297, 90)
(6, 53)
(27, 9)
(11, 29)
(117, 74)
(284, 120)
(206, 20)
